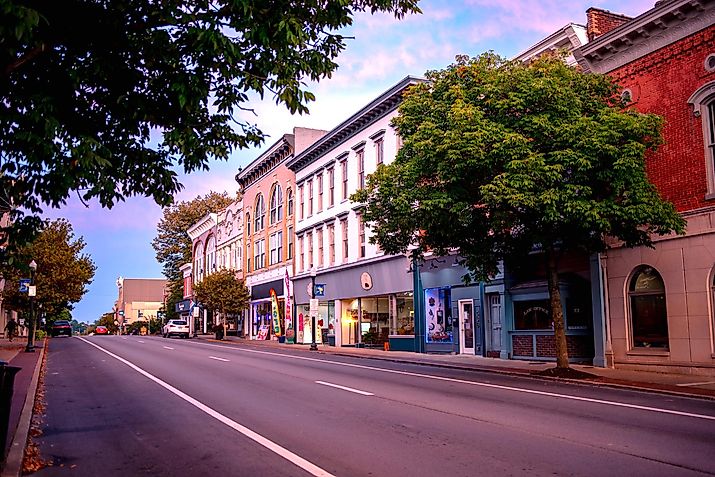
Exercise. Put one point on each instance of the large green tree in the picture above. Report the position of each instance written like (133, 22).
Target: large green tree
(221, 292)
(63, 270)
(109, 98)
(501, 159)
(173, 245)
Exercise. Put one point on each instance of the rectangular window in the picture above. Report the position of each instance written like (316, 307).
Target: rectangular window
(290, 243)
(319, 206)
(361, 236)
(319, 237)
(361, 168)
(344, 172)
(309, 238)
(301, 254)
(331, 187)
(276, 245)
(344, 232)
(310, 197)
(331, 244)
(259, 254)
(239, 255)
(379, 151)
(301, 203)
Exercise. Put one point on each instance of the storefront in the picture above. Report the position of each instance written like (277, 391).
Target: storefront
(364, 304)
(261, 308)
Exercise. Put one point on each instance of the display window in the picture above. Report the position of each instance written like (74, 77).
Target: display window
(532, 315)
(438, 316)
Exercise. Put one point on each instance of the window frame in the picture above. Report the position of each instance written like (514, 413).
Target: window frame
(276, 205)
(633, 296)
(703, 103)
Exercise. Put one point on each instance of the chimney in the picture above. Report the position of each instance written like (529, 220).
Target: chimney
(599, 22)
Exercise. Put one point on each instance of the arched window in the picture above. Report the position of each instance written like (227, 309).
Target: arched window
(703, 103)
(260, 214)
(198, 263)
(276, 204)
(210, 255)
(649, 318)
(289, 206)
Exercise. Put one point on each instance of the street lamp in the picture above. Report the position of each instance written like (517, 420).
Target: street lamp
(30, 348)
(313, 345)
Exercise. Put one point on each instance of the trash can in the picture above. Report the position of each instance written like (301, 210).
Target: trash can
(7, 382)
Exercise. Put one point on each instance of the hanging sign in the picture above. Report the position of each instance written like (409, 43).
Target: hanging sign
(275, 314)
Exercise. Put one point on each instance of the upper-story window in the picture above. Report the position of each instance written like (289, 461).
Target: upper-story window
(310, 197)
(703, 102)
(301, 203)
(344, 173)
(361, 168)
(260, 214)
(289, 202)
(259, 254)
(276, 248)
(319, 206)
(361, 236)
(199, 262)
(331, 244)
(309, 253)
(301, 254)
(319, 237)
(344, 236)
(331, 187)
(276, 204)
(289, 245)
(379, 151)
(210, 255)
(248, 224)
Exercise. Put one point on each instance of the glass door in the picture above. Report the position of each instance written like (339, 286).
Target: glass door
(466, 326)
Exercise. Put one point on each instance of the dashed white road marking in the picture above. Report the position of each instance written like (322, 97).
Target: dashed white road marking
(168, 347)
(254, 436)
(219, 359)
(475, 383)
(345, 388)
(140, 341)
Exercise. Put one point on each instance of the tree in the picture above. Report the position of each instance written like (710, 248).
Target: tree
(223, 293)
(173, 245)
(502, 158)
(63, 270)
(108, 98)
(107, 320)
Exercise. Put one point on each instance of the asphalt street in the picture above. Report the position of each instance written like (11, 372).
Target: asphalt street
(133, 405)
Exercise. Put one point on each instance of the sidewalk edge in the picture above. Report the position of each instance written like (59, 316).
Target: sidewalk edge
(15, 456)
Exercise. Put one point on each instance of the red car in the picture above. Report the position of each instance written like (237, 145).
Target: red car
(101, 330)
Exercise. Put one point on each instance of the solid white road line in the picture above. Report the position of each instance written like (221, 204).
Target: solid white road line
(218, 359)
(140, 341)
(696, 384)
(477, 383)
(254, 436)
(166, 347)
(345, 388)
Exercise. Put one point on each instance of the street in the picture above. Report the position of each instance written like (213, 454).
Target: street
(133, 405)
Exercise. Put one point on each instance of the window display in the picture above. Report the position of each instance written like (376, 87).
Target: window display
(438, 315)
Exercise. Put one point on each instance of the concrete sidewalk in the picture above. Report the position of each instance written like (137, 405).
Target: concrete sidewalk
(696, 386)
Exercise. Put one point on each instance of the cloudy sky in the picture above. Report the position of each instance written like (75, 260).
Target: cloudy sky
(382, 52)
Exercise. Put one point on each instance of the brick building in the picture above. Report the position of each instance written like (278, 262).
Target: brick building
(659, 302)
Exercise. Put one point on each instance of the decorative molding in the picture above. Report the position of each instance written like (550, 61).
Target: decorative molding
(358, 146)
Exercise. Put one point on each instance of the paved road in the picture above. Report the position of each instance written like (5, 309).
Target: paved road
(119, 406)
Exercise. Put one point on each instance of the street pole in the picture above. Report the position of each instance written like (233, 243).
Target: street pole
(313, 345)
(30, 348)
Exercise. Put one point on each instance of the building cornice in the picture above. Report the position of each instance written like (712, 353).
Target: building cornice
(208, 222)
(569, 37)
(667, 23)
(377, 109)
(275, 155)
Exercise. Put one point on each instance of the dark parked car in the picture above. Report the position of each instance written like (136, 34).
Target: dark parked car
(61, 327)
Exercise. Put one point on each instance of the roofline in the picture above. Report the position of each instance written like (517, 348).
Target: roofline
(369, 114)
(275, 148)
(543, 45)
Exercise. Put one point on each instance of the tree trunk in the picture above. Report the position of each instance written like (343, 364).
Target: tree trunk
(223, 321)
(557, 313)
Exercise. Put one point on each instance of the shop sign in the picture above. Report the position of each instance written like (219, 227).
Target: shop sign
(290, 334)
(366, 281)
(275, 315)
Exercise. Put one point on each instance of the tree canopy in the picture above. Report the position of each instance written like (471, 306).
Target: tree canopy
(110, 98)
(63, 270)
(222, 292)
(500, 158)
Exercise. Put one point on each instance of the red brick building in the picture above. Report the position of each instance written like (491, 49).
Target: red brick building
(659, 303)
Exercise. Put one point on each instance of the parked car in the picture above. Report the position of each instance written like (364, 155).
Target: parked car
(61, 327)
(176, 328)
(101, 330)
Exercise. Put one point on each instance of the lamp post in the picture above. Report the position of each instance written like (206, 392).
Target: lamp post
(30, 348)
(313, 345)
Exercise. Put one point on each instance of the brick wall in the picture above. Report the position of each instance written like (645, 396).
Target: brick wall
(522, 345)
(661, 83)
(600, 22)
(577, 346)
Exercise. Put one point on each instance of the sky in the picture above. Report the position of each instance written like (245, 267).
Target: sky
(383, 51)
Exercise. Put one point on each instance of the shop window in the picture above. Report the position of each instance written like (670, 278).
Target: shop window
(438, 315)
(402, 314)
(375, 320)
(649, 318)
(532, 315)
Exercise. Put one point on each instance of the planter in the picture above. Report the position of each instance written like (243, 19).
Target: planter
(281, 339)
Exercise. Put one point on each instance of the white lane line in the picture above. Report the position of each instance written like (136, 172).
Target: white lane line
(345, 388)
(167, 347)
(123, 338)
(219, 359)
(696, 384)
(140, 341)
(254, 436)
(479, 384)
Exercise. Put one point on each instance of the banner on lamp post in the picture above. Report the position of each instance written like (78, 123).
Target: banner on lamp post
(290, 333)
(275, 313)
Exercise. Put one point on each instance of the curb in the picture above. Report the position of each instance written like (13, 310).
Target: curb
(15, 456)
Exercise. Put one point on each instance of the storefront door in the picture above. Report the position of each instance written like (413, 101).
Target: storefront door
(466, 326)
(495, 323)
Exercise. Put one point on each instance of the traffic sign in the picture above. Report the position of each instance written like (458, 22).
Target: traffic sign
(320, 289)
(24, 285)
